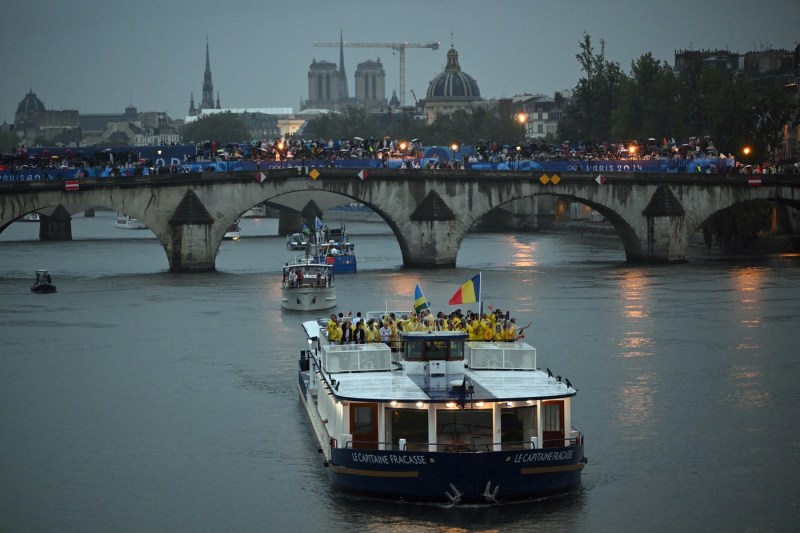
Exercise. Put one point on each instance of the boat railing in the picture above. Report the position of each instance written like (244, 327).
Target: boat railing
(356, 357)
(500, 355)
(402, 445)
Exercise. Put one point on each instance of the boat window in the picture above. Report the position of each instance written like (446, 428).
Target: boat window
(434, 350)
(409, 424)
(463, 430)
(553, 424)
(456, 350)
(518, 426)
(414, 351)
(362, 419)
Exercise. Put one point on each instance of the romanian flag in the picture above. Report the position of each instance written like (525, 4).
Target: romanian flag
(420, 302)
(468, 293)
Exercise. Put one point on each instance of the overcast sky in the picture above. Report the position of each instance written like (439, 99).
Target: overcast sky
(98, 56)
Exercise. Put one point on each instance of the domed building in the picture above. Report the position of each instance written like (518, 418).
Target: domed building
(30, 104)
(451, 90)
(33, 122)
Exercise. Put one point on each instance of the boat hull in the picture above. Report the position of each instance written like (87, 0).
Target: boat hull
(43, 288)
(469, 477)
(342, 264)
(308, 298)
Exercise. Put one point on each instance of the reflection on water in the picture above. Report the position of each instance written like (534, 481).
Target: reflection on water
(748, 283)
(633, 287)
(748, 389)
(634, 344)
(636, 405)
(523, 254)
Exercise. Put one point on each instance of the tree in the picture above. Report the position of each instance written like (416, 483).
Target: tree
(221, 127)
(354, 121)
(647, 106)
(597, 94)
(772, 110)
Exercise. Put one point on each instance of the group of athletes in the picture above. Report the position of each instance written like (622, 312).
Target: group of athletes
(495, 326)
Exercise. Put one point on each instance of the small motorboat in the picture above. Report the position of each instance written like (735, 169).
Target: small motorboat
(233, 232)
(43, 284)
(125, 221)
(296, 241)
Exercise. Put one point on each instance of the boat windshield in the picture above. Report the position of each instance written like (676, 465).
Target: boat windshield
(433, 348)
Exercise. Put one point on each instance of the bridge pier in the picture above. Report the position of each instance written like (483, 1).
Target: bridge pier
(431, 244)
(289, 221)
(191, 248)
(57, 226)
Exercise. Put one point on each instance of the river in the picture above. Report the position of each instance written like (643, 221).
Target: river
(135, 399)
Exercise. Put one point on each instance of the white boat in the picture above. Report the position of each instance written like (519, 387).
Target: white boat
(307, 286)
(442, 419)
(233, 232)
(128, 222)
(296, 241)
(257, 211)
(31, 217)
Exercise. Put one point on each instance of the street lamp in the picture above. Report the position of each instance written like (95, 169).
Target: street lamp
(746, 152)
(454, 148)
(522, 118)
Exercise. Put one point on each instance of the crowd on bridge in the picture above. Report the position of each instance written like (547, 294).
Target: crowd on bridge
(412, 153)
(494, 326)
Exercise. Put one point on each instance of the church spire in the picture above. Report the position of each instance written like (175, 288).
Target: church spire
(343, 92)
(208, 86)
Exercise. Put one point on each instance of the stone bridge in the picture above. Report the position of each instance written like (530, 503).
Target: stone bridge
(429, 211)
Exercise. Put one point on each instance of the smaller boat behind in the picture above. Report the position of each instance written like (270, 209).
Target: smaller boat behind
(307, 286)
(296, 241)
(128, 222)
(334, 247)
(43, 284)
(233, 232)
(31, 217)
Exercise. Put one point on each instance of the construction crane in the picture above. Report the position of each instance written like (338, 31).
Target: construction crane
(399, 47)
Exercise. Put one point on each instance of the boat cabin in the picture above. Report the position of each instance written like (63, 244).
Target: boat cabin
(307, 274)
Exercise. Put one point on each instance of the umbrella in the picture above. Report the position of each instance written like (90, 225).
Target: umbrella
(358, 139)
(108, 150)
(54, 157)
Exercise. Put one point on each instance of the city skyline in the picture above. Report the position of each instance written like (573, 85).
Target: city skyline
(101, 57)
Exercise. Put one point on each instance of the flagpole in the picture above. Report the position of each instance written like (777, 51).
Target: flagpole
(480, 290)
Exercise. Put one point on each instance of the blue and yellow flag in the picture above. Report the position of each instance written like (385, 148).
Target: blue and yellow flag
(420, 302)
